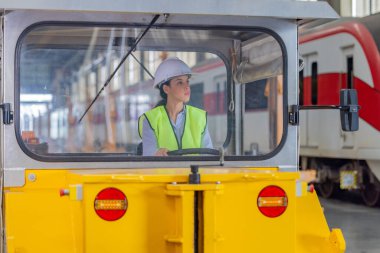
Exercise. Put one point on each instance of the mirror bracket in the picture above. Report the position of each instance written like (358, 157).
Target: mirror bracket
(348, 109)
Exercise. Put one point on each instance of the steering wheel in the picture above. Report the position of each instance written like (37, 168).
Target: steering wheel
(192, 151)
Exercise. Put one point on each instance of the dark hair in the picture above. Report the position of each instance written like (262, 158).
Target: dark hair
(163, 95)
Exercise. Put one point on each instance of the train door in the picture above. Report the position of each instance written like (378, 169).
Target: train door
(348, 82)
(311, 117)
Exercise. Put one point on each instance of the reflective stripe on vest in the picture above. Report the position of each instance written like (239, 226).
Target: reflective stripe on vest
(158, 119)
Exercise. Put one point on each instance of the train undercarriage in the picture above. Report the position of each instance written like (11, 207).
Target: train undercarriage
(334, 176)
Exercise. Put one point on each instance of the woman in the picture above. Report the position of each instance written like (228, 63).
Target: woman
(172, 124)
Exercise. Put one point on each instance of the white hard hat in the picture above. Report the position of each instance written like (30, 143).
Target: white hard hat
(169, 68)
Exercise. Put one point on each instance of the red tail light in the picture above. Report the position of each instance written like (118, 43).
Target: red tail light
(111, 204)
(272, 201)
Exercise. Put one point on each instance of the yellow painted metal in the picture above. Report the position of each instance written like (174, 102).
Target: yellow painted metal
(337, 240)
(313, 234)
(160, 214)
(154, 221)
(182, 238)
(38, 220)
(233, 223)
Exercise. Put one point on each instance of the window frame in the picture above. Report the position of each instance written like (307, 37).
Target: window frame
(123, 157)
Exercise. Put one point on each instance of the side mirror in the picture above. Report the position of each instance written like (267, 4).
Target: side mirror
(349, 110)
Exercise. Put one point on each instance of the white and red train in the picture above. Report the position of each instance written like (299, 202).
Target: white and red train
(339, 55)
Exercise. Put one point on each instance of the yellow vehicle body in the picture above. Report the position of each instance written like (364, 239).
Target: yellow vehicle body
(56, 61)
(160, 213)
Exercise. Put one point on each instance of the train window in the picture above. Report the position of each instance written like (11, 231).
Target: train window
(350, 72)
(197, 94)
(314, 83)
(301, 80)
(62, 69)
(255, 96)
(221, 98)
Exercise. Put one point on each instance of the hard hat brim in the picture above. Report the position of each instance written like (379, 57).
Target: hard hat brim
(158, 85)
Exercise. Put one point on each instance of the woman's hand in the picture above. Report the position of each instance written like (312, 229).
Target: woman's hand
(162, 152)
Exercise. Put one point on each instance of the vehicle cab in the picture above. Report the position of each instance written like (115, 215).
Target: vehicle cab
(75, 80)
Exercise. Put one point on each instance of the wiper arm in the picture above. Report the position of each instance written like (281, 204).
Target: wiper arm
(121, 62)
(143, 66)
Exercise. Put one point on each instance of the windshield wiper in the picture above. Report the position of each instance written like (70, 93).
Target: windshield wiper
(143, 66)
(121, 62)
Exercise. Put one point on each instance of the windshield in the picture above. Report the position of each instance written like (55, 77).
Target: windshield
(235, 81)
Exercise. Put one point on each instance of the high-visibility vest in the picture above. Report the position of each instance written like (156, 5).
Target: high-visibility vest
(159, 122)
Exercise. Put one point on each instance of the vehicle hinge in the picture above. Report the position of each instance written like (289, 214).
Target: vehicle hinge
(7, 113)
(294, 115)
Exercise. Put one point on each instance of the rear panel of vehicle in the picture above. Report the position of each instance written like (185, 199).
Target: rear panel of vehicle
(160, 214)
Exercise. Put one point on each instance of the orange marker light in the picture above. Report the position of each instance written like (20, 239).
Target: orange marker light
(108, 204)
(272, 201)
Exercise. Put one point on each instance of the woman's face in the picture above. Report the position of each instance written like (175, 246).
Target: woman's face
(178, 89)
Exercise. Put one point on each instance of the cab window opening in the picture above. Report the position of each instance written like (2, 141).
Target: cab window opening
(112, 124)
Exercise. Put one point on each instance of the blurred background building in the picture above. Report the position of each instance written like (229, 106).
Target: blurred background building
(354, 8)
